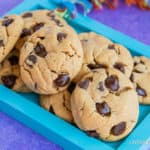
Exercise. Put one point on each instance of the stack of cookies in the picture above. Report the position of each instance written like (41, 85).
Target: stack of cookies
(85, 79)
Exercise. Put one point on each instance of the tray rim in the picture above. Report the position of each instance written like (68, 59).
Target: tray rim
(93, 25)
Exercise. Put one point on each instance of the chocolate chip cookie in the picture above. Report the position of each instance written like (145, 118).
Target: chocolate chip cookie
(10, 72)
(100, 52)
(50, 59)
(105, 104)
(36, 20)
(140, 77)
(92, 44)
(59, 104)
(10, 30)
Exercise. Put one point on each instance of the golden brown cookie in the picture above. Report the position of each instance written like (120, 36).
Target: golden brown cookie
(105, 104)
(50, 59)
(10, 30)
(59, 104)
(141, 77)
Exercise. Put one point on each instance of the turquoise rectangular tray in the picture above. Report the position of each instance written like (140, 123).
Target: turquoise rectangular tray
(25, 107)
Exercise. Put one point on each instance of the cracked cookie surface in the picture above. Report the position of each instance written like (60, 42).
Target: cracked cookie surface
(100, 52)
(105, 104)
(10, 30)
(50, 59)
(10, 72)
(35, 20)
(140, 77)
(59, 104)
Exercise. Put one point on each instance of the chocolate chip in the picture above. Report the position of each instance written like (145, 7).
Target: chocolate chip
(101, 86)
(111, 46)
(140, 91)
(7, 22)
(9, 80)
(96, 66)
(120, 67)
(42, 37)
(118, 129)
(25, 32)
(84, 40)
(58, 23)
(13, 60)
(61, 9)
(112, 82)
(31, 60)
(1, 43)
(51, 110)
(40, 50)
(142, 62)
(37, 26)
(51, 14)
(93, 133)
(135, 63)
(71, 87)
(27, 15)
(85, 83)
(132, 77)
(61, 36)
(35, 85)
(62, 80)
(103, 109)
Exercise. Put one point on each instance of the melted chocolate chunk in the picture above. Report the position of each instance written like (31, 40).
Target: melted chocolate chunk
(7, 22)
(93, 133)
(9, 80)
(84, 40)
(51, 14)
(120, 67)
(118, 129)
(31, 60)
(135, 63)
(111, 46)
(103, 109)
(35, 85)
(13, 60)
(132, 77)
(27, 15)
(85, 83)
(101, 86)
(112, 83)
(140, 91)
(40, 50)
(58, 23)
(25, 32)
(62, 80)
(61, 9)
(1, 43)
(71, 87)
(37, 26)
(96, 66)
(42, 37)
(61, 36)
(51, 110)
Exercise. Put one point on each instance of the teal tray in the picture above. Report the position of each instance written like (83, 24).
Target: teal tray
(25, 107)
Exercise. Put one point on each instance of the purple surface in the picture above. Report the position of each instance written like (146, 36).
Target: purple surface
(131, 21)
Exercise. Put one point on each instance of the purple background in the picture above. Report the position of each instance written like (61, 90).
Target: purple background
(131, 21)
